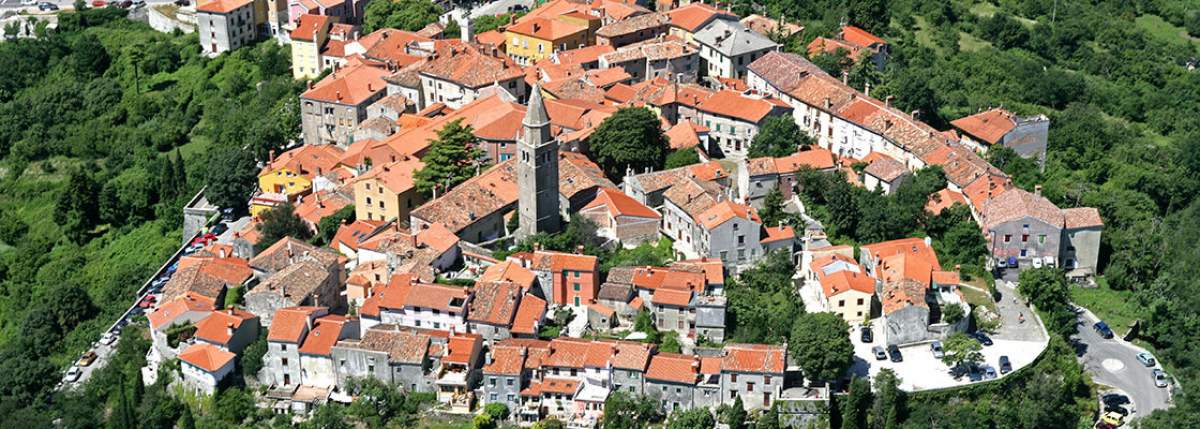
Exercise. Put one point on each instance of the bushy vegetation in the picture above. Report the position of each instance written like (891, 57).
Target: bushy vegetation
(107, 128)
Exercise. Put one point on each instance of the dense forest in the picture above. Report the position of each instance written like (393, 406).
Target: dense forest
(107, 128)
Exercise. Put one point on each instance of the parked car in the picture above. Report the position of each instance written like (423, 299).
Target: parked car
(989, 373)
(1117, 409)
(867, 335)
(1005, 365)
(1160, 377)
(171, 268)
(894, 352)
(1012, 262)
(125, 4)
(1146, 359)
(148, 301)
(87, 359)
(28, 2)
(936, 347)
(139, 3)
(47, 7)
(72, 374)
(982, 338)
(1001, 263)
(879, 353)
(1102, 425)
(108, 338)
(99, 3)
(1113, 419)
(975, 373)
(1114, 399)
(1103, 329)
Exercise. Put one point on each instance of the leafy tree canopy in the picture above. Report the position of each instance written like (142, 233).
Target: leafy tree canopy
(630, 138)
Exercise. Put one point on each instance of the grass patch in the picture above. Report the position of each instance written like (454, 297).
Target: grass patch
(1160, 29)
(970, 43)
(1116, 307)
(978, 297)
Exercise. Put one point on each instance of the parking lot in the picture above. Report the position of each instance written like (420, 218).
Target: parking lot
(921, 371)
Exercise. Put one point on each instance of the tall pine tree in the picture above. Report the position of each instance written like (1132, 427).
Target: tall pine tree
(451, 160)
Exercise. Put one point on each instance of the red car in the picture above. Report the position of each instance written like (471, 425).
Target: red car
(99, 3)
(204, 239)
(148, 301)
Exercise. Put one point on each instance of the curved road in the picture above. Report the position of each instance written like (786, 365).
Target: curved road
(1114, 363)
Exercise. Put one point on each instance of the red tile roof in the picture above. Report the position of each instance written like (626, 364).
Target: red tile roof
(942, 200)
(471, 66)
(724, 211)
(309, 25)
(1018, 204)
(777, 233)
(494, 303)
(462, 348)
(758, 358)
(734, 104)
(1082, 217)
(221, 6)
(618, 204)
(289, 324)
(693, 16)
(352, 234)
(562, 386)
(676, 298)
(508, 271)
(673, 368)
(397, 176)
(683, 135)
(946, 277)
(860, 37)
(444, 298)
(529, 315)
(490, 37)
(216, 327)
(351, 85)
(901, 294)
(325, 333)
(166, 313)
(506, 360)
(207, 357)
(989, 126)
(546, 29)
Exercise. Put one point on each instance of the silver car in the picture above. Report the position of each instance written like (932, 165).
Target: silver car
(936, 347)
(880, 354)
(1160, 377)
(72, 374)
(1146, 359)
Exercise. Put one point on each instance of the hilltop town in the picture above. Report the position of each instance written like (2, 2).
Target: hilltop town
(608, 214)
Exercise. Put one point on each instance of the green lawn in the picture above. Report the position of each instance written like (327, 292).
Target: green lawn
(1116, 307)
(977, 297)
(970, 43)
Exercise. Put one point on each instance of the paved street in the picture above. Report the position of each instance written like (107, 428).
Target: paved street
(1114, 363)
(1012, 309)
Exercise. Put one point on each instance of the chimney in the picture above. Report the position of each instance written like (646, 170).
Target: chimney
(339, 95)
(370, 87)
(579, 249)
(1037, 190)
(229, 328)
(867, 89)
(887, 101)
(828, 103)
(845, 77)
(308, 84)
(271, 153)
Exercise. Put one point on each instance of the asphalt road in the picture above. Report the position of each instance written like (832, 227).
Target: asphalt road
(1114, 363)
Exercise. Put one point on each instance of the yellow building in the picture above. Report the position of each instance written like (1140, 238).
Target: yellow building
(292, 174)
(310, 35)
(387, 191)
(846, 289)
(538, 38)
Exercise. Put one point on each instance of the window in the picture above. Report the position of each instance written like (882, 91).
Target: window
(741, 238)
(1024, 238)
(1007, 238)
(1022, 253)
(368, 201)
(492, 382)
(749, 386)
(767, 379)
(1041, 239)
(493, 397)
(733, 379)
(576, 287)
(841, 303)
(508, 382)
(576, 273)
(860, 301)
(285, 362)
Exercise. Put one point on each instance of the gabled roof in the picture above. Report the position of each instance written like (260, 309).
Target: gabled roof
(683, 135)
(508, 271)
(618, 204)
(886, 170)
(942, 200)
(724, 211)
(216, 327)
(207, 357)
(1017, 204)
(397, 176)
(528, 316)
(545, 260)
(309, 161)
(633, 24)
(737, 105)
(327, 330)
(546, 29)
(693, 16)
(440, 297)
(352, 234)
(674, 368)
(778, 233)
(495, 303)
(309, 25)
(901, 294)
(731, 38)
(506, 360)
(860, 37)
(989, 126)
(401, 345)
(675, 298)
(168, 312)
(221, 6)
(1082, 217)
(471, 66)
(757, 358)
(290, 324)
(351, 85)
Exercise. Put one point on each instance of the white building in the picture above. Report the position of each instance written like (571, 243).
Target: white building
(728, 47)
(225, 25)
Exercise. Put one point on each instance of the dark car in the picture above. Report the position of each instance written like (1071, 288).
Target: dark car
(975, 373)
(1102, 425)
(982, 338)
(1005, 365)
(47, 6)
(1116, 409)
(1114, 399)
(867, 335)
(1103, 329)
(894, 353)
(219, 228)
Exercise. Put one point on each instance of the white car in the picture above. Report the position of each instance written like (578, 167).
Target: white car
(72, 374)
(108, 338)
(1037, 262)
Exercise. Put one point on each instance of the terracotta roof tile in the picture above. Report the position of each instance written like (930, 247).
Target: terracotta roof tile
(942, 200)
(221, 6)
(401, 345)
(673, 368)
(633, 24)
(207, 357)
(494, 303)
(723, 212)
(886, 170)
(169, 311)
(352, 234)
(351, 85)
(693, 16)
(506, 360)
(290, 324)
(471, 66)
(778, 233)
(309, 25)
(529, 315)
(1017, 204)
(901, 294)
(757, 358)
(546, 28)
(326, 332)
(216, 327)
(675, 298)
(1082, 217)
(736, 105)
(860, 37)
(618, 204)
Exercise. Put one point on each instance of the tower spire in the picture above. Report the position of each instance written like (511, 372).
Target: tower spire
(535, 113)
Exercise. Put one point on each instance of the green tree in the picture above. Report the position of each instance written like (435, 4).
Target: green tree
(694, 418)
(89, 58)
(328, 226)
(871, 15)
(772, 210)
(769, 419)
(451, 159)
(408, 15)
(252, 357)
(77, 209)
(734, 415)
(961, 351)
(497, 410)
(630, 138)
(762, 303)
(623, 410)
(483, 421)
(232, 178)
(187, 421)
(12, 228)
(821, 346)
(550, 423)
(887, 412)
(233, 406)
(857, 404)
(670, 343)
(778, 137)
(644, 323)
(682, 158)
(952, 313)
(327, 416)
(280, 222)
